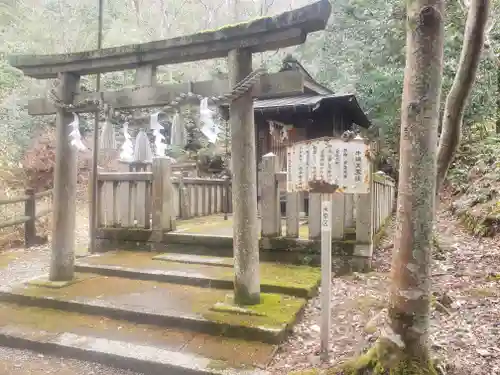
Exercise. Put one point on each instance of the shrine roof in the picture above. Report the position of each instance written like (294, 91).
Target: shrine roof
(347, 103)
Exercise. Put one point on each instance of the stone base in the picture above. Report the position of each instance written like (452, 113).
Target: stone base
(44, 282)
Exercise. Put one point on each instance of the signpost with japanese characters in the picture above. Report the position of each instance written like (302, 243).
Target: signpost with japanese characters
(328, 166)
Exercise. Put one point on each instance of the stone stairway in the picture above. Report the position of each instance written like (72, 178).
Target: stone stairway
(157, 312)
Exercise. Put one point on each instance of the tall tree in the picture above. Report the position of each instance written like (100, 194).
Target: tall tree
(410, 289)
(403, 348)
(465, 76)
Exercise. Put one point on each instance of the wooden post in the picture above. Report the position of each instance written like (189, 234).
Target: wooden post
(314, 216)
(244, 173)
(326, 272)
(225, 197)
(349, 210)
(364, 217)
(365, 220)
(65, 178)
(338, 216)
(163, 215)
(184, 207)
(293, 214)
(30, 212)
(271, 214)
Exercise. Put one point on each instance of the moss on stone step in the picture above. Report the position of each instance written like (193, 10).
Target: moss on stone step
(233, 352)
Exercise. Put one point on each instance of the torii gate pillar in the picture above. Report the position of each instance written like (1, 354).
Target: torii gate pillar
(62, 262)
(244, 179)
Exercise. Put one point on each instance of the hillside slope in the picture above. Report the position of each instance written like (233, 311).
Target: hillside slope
(474, 180)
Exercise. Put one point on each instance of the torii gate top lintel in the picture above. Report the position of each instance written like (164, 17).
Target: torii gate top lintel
(263, 34)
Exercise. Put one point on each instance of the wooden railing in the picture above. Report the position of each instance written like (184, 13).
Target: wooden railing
(201, 196)
(30, 215)
(383, 190)
(124, 199)
(362, 214)
(155, 199)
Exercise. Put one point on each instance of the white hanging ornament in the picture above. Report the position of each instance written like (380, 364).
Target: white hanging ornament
(271, 127)
(209, 127)
(127, 149)
(75, 136)
(108, 137)
(142, 149)
(160, 145)
(284, 132)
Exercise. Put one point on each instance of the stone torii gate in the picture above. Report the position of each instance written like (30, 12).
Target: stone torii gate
(237, 43)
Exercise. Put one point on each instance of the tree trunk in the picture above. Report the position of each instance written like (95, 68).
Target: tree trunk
(498, 97)
(410, 290)
(456, 100)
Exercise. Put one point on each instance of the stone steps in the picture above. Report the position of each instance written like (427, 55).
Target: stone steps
(201, 271)
(157, 313)
(142, 348)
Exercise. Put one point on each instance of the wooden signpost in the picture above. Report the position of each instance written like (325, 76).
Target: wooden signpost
(328, 166)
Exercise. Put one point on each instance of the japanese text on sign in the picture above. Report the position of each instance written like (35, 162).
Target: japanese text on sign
(329, 161)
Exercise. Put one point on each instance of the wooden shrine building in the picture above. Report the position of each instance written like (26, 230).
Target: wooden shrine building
(315, 112)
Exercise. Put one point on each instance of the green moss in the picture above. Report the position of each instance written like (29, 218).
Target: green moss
(384, 359)
(273, 311)
(493, 277)
(44, 282)
(224, 350)
(281, 275)
(287, 275)
(238, 24)
(243, 296)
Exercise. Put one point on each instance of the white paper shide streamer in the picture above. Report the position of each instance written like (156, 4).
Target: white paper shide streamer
(127, 149)
(156, 127)
(108, 137)
(75, 136)
(209, 127)
(142, 150)
(178, 136)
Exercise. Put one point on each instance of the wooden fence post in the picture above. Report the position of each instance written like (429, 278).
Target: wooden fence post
(349, 210)
(163, 217)
(293, 214)
(338, 215)
(314, 217)
(226, 199)
(270, 199)
(30, 212)
(184, 206)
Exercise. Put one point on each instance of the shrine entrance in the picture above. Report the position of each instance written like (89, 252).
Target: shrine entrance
(208, 302)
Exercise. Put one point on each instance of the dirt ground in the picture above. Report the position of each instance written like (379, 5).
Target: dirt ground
(465, 320)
